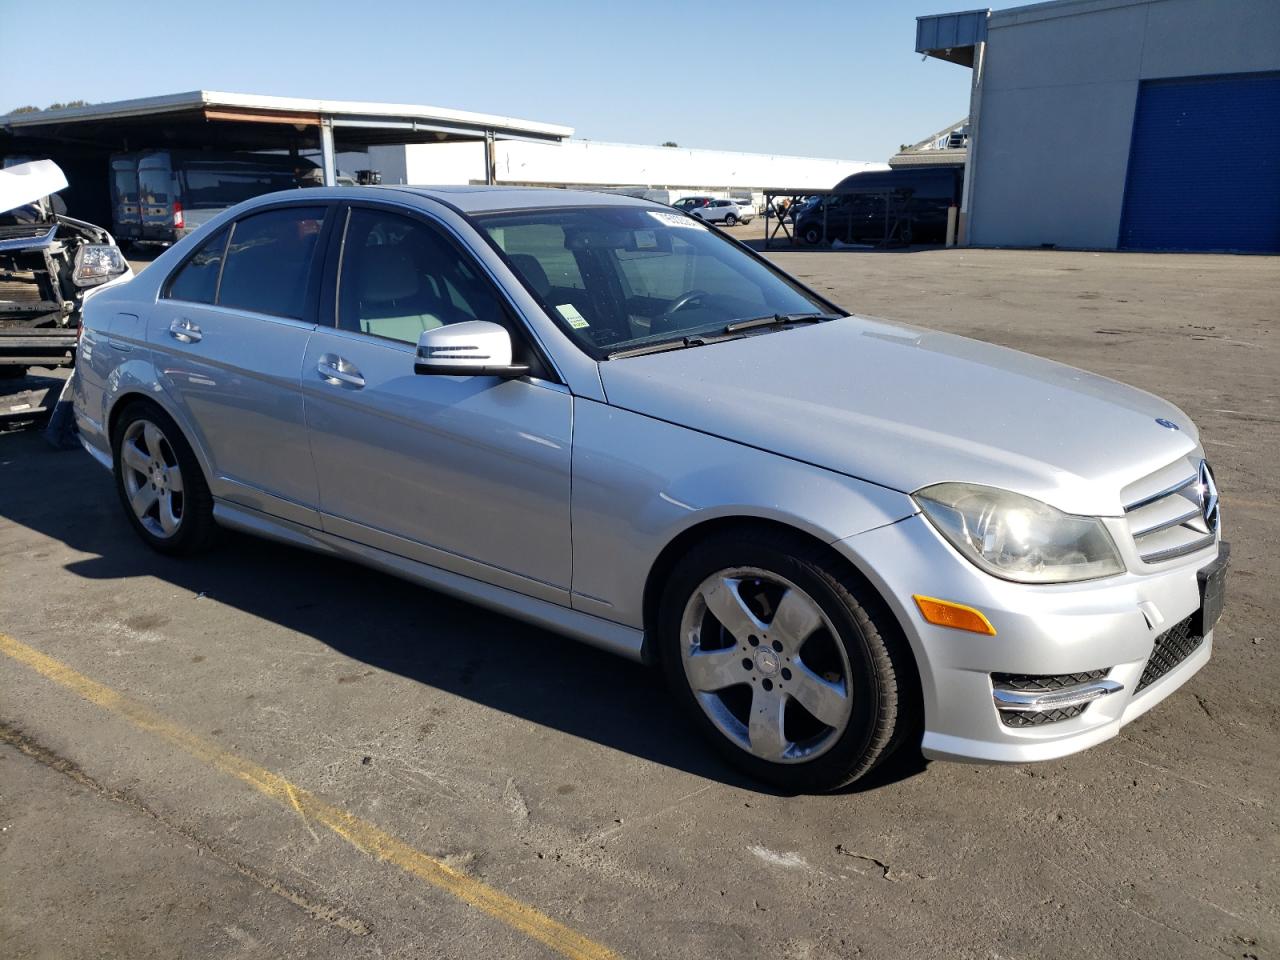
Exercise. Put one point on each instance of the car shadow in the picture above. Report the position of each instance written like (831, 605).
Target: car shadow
(403, 628)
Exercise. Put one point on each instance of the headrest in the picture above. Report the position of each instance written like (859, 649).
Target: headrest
(528, 267)
(386, 274)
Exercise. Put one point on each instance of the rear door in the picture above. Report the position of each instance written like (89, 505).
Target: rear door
(126, 214)
(155, 197)
(230, 333)
(469, 474)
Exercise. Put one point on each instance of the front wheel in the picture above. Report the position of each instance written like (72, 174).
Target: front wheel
(160, 483)
(731, 221)
(792, 667)
(812, 236)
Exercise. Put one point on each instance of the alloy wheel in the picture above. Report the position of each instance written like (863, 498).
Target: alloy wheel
(766, 665)
(152, 479)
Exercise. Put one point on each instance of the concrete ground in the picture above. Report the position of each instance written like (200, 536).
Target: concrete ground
(265, 753)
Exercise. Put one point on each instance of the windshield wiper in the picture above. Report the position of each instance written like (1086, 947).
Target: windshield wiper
(779, 320)
(660, 347)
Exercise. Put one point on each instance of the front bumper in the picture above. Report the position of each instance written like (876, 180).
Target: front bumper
(1110, 624)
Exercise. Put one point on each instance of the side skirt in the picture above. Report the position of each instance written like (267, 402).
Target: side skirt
(614, 637)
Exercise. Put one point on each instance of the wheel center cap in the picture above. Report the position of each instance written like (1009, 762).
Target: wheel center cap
(766, 660)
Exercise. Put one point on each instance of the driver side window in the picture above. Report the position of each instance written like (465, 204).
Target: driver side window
(399, 278)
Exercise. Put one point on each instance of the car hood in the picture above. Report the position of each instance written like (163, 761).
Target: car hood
(904, 408)
(25, 183)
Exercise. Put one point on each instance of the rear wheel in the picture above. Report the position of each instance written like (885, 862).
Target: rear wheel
(160, 482)
(791, 667)
(812, 235)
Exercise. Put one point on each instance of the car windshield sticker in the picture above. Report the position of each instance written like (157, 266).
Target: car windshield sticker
(673, 219)
(646, 239)
(571, 314)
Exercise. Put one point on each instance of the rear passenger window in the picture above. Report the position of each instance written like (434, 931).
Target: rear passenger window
(269, 260)
(197, 281)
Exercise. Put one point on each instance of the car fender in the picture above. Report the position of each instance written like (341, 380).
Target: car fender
(640, 483)
(138, 378)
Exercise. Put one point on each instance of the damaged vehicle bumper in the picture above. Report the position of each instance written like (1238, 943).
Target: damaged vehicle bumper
(49, 263)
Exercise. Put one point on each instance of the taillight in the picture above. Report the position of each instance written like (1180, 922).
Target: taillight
(179, 221)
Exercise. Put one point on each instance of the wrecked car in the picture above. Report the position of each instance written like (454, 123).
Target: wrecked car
(49, 263)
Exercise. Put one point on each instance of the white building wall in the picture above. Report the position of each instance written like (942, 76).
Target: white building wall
(590, 163)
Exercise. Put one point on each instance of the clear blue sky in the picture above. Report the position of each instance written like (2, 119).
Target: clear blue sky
(823, 78)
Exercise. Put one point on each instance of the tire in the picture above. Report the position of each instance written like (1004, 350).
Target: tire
(812, 235)
(731, 221)
(149, 453)
(855, 639)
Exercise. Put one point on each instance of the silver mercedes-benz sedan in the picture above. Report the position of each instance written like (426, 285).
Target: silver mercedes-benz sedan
(833, 534)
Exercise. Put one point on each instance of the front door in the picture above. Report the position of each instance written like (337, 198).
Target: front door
(469, 474)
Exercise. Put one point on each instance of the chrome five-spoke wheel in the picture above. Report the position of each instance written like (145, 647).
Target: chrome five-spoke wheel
(160, 481)
(152, 479)
(766, 664)
(786, 658)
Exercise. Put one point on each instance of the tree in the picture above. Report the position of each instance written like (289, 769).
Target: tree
(68, 105)
(27, 109)
(670, 143)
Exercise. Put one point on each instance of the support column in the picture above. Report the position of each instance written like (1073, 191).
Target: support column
(490, 159)
(971, 154)
(328, 161)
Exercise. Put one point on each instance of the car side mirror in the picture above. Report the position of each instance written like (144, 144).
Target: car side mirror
(476, 348)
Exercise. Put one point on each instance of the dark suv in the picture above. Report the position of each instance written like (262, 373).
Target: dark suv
(911, 205)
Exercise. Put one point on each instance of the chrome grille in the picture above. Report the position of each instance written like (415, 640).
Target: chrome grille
(1166, 513)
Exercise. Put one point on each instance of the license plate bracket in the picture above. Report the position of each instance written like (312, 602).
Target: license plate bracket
(1213, 590)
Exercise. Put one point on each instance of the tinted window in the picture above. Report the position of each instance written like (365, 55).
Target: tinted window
(269, 259)
(197, 280)
(126, 184)
(399, 277)
(155, 184)
(213, 188)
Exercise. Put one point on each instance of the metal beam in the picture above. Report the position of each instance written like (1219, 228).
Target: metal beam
(328, 161)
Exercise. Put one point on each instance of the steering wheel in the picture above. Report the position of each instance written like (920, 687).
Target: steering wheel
(683, 302)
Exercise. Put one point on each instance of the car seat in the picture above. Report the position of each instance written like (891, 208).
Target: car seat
(394, 300)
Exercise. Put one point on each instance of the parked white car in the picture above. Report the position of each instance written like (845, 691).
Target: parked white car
(723, 211)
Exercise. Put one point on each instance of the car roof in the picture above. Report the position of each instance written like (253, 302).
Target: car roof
(480, 198)
(467, 199)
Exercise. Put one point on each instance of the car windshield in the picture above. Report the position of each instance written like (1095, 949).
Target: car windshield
(620, 277)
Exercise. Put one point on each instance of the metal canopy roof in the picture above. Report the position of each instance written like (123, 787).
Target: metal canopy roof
(952, 36)
(251, 121)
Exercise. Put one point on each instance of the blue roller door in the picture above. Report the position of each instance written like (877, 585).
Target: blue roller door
(1204, 166)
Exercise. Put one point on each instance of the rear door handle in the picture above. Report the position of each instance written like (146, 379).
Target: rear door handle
(185, 330)
(339, 370)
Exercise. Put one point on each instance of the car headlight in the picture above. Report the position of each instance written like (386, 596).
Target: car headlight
(97, 263)
(1018, 538)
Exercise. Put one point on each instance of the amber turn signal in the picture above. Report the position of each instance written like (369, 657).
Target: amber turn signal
(955, 615)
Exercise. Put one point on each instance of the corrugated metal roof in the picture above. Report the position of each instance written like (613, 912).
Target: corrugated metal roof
(370, 112)
(950, 31)
(930, 158)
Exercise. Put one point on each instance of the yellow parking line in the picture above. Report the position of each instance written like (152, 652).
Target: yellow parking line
(361, 834)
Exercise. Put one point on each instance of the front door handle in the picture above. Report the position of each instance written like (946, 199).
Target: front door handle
(185, 331)
(337, 369)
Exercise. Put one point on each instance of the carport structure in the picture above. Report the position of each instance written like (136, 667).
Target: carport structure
(237, 121)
